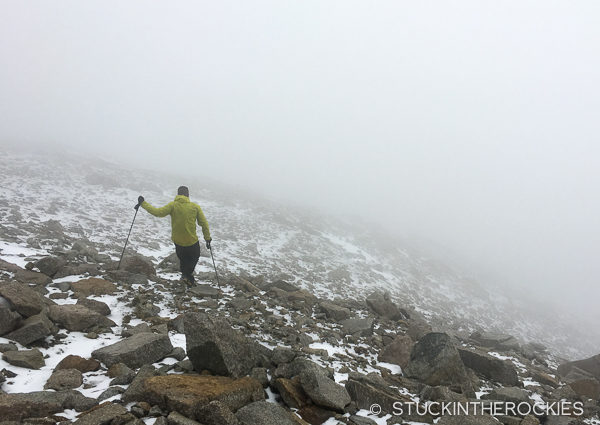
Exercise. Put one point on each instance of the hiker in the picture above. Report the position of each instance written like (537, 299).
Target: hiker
(184, 215)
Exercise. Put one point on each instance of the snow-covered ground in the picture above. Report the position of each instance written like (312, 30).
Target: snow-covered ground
(93, 200)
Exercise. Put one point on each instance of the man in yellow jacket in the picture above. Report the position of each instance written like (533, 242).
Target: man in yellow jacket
(184, 216)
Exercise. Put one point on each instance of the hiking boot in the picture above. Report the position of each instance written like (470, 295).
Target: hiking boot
(188, 280)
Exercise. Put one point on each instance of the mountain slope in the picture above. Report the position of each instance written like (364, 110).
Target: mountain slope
(92, 200)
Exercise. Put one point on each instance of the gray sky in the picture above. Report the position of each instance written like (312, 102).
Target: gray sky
(473, 124)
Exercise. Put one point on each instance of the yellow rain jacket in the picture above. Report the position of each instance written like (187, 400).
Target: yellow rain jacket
(184, 215)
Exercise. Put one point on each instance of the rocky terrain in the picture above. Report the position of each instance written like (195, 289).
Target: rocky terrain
(289, 336)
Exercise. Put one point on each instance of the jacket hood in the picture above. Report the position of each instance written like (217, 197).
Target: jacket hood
(182, 198)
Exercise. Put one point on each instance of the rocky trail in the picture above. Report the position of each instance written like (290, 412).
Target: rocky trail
(84, 343)
(132, 346)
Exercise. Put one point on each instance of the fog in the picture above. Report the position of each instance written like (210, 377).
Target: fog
(471, 126)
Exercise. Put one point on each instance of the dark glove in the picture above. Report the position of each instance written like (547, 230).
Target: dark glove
(140, 200)
(208, 244)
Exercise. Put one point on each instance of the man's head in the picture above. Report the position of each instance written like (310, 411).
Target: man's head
(183, 190)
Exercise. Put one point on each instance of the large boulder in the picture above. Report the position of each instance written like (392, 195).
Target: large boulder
(31, 277)
(323, 391)
(213, 345)
(135, 351)
(298, 366)
(97, 306)
(30, 359)
(19, 406)
(590, 365)
(583, 383)
(334, 311)
(9, 320)
(265, 413)
(64, 379)
(588, 388)
(33, 329)
(94, 286)
(135, 391)
(50, 265)
(398, 351)
(138, 264)
(382, 305)
(76, 317)
(357, 327)
(76, 362)
(188, 394)
(121, 374)
(23, 299)
(435, 360)
(291, 392)
(502, 371)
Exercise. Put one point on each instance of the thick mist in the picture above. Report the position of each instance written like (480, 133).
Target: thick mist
(470, 126)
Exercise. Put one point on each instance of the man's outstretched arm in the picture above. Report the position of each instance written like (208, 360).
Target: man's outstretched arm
(202, 222)
(158, 212)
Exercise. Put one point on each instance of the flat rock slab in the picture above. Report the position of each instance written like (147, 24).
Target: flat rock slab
(36, 278)
(97, 306)
(33, 329)
(23, 299)
(135, 351)
(18, 406)
(494, 340)
(502, 371)
(205, 291)
(30, 359)
(334, 311)
(508, 394)
(103, 414)
(188, 394)
(76, 317)
(94, 286)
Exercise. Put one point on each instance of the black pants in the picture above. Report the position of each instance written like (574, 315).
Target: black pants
(188, 258)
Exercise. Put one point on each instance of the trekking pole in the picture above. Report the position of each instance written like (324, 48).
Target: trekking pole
(137, 207)
(215, 266)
